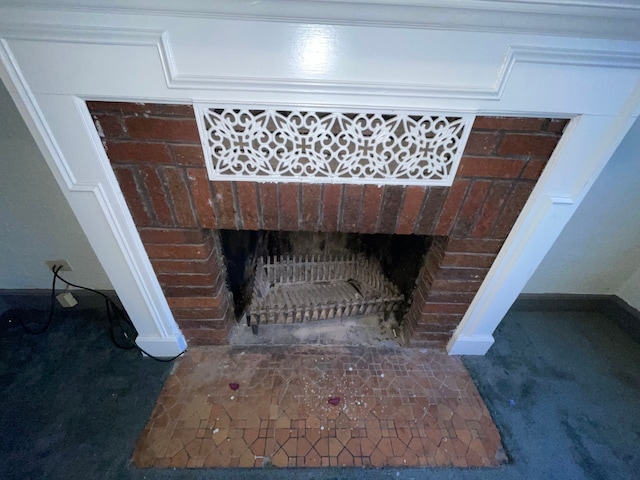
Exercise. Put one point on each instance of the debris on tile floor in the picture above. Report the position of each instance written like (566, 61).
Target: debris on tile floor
(364, 330)
(318, 406)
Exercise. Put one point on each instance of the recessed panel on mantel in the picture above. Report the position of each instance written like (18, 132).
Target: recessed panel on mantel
(299, 52)
(89, 70)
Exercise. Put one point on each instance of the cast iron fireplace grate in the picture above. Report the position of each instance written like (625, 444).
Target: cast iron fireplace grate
(307, 288)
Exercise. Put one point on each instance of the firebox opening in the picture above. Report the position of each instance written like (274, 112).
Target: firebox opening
(329, 275)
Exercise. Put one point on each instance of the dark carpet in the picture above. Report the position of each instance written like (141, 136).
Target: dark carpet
(563, 387)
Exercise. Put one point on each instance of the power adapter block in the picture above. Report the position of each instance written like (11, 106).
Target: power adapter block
(67, 300)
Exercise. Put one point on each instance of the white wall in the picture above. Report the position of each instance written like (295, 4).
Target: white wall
(36, 223)
(598, 252)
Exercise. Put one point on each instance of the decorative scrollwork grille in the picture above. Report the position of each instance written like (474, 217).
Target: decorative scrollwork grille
(330, 147)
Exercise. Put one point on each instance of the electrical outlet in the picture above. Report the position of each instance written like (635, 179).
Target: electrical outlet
(66, 266)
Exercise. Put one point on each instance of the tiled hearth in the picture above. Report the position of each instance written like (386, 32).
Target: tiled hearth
(156, 154)
(391, 407)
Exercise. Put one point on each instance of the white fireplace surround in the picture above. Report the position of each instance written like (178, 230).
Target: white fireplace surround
(578, 60)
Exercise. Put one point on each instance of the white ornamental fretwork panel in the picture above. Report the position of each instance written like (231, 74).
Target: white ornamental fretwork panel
(330, 147)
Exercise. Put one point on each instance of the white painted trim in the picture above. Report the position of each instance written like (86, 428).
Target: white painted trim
(22, 96)
(95, 35)
(399, 96)
(175, 79)
(514, 55)
(589, 142)
(55, 57)
(601, 18)
(162, 347)
(472, 345)
(562, 200)
(169, 341)
(180, 80)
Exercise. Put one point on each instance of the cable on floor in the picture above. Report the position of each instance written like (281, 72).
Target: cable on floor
(121, 329)
(56, 269)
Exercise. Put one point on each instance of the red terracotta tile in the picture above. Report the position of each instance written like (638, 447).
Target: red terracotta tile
(290, 446)
(398, 447)
(345, 459)
(303, 447)
(280, 459)
(353, 445)
(179, 460)
(298, 431)
(335, 446)
(282, 435)
(378, 458)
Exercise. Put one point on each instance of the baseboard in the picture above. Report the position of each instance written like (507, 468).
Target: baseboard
(559, 302)
(471, 345)
(162, 347)
(626, 316)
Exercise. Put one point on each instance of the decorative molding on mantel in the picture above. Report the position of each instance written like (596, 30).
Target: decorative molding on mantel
(562, 200)
(580, 18)
(514, 55)
(30, 104)
(80, 34)
(175, 79)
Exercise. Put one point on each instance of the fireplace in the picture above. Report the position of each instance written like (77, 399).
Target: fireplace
(158, 159)
(283, 278)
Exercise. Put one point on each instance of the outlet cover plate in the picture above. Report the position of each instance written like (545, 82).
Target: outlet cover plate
(66, 266)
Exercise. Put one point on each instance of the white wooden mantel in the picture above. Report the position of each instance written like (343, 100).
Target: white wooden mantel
(577, 59)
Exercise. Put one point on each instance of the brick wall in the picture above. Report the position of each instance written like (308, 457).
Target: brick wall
(156, 155)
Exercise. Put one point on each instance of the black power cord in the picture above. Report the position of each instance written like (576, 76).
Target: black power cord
(56, 269)
(119, 321)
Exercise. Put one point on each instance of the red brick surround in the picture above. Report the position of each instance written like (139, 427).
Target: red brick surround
(156, 155)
